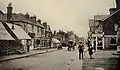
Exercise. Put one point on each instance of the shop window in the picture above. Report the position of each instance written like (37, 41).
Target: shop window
(113, 41)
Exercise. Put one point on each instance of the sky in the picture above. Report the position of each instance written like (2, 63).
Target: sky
(66, 15)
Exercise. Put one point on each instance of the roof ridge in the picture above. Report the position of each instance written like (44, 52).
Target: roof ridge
(111, 15)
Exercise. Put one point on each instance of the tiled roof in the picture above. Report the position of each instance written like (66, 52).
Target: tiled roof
(4, 35)
(1, 12)
(19, 32)
(92, 22)
(99, 17)
(111, 15)
(37, 23)
(21, 18)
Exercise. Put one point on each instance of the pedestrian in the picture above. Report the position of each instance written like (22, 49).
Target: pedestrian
(90, 49)
(88, 43)
(81, 49)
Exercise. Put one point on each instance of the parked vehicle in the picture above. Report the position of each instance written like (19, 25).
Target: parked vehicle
(56, 43)
(59, 47)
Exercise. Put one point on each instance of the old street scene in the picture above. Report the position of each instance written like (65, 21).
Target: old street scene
(59, 35)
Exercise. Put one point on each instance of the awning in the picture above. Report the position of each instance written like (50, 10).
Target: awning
(70, 41)
(4, 35)
(54, 40)
(19, 32)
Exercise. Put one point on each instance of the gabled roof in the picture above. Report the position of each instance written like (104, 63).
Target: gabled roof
(37, 23)
(92, 22)
(111, 15)
(18, 31)
(99, 17)
(21, 18)
(7, 33)
(99, 30)
(4, 34)
(1, 12)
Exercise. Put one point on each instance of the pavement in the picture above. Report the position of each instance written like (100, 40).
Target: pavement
(103, 60)
(31, 53)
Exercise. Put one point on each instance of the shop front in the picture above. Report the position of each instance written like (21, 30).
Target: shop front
(98, 41)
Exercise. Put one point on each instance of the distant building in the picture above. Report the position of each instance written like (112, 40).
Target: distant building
(99, 39)
(61, 36)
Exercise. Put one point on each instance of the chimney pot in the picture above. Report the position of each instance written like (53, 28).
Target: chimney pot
(33, 18)
(9, 12)
(39, 21)
(45, 24)
(27, 15)
(112, 10)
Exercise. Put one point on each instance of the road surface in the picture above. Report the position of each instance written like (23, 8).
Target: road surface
(57, 60)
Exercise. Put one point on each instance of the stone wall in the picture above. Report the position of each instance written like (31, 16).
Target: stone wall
(7, 47)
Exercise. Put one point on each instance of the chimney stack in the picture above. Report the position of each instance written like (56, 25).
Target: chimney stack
(33, 18)
(112, 10)
(27, 15)
(45, 24)
(39, 21)
(9, 12)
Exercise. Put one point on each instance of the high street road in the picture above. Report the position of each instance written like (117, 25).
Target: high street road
(57, 60)
(65, 60)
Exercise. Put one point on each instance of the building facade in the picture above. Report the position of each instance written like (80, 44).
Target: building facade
(96, 32)
(33, 27)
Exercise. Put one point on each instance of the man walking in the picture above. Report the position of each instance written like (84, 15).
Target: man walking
(81, 49)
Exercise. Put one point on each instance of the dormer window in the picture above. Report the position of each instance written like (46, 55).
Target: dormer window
(12, 26)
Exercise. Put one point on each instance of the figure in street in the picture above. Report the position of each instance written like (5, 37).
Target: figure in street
(70, 45)
(90, 49)
(81, 49)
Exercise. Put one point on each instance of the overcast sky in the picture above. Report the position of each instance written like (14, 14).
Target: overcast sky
(62, 14)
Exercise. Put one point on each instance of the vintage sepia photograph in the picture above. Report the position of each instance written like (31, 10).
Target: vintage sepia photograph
(59, 35)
